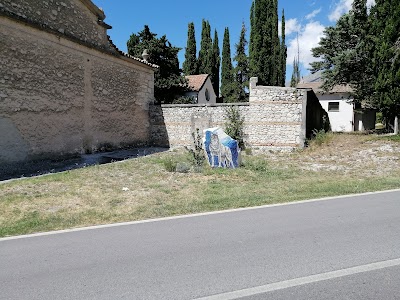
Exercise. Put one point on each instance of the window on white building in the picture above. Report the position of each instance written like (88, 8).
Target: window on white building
(333, 106)
(207, 95)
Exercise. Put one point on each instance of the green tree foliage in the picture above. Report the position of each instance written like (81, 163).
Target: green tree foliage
(216, 64)
(360, 50)
(227, 79)
(168, 80)
(296, 73)
(385, 28)
(190, 63)
(234, 125)
(265, 47)
(283, 54)
(342, 52)
(241, 71)
(204, 62)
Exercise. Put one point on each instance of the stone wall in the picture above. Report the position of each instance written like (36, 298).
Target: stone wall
(275, 119)
(79, 19)
(58, 97)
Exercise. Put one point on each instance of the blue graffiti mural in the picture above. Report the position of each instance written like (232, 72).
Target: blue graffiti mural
(222, 150)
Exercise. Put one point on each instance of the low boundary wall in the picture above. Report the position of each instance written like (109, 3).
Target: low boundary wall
(275, 119)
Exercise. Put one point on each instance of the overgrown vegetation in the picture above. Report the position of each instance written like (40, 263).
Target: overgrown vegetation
(234, 124)
(197, 152)
(320, 137)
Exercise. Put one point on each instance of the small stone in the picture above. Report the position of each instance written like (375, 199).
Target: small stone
(54, 12)
(61, 30)
(63, 4)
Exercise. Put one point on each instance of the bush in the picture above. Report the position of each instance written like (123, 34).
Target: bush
(234, 125)
(197, 153)
(184, 100)
(320, 137)
(182, 167)
(170, 164)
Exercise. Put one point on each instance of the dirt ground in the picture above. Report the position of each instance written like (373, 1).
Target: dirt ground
(348, 153)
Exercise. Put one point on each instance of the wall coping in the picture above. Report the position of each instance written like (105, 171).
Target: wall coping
(203, 105)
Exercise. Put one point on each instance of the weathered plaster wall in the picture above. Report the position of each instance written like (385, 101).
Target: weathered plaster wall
(75, 18)
(274, 119)
(59, 97)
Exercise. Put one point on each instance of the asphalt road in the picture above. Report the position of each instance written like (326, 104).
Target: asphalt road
(345, 248)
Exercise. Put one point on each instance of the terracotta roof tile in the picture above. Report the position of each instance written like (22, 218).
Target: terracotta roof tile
(130, 56)
(316, 86)
(196, 82)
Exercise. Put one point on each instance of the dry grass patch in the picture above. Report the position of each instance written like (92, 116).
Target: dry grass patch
(141, 188)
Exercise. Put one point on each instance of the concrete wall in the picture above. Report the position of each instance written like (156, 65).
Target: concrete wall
(58, 97)
(275, 119)
(342, 120)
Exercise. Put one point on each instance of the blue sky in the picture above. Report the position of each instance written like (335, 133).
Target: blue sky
(307, 18)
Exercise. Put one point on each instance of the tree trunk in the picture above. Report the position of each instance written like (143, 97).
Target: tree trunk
(396, 125)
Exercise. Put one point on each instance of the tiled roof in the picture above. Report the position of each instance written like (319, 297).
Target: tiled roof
(130, 56)
(316, 86)
(314, 81)
(196, 82)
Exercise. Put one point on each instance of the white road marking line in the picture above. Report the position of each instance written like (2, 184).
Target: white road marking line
(303, 280)
(193, 215)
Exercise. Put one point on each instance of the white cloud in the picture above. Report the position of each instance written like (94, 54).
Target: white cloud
(291, 26)
(309, 37)
(342, 7)
(313, 14)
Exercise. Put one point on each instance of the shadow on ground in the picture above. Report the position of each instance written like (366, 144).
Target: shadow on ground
(42, 167)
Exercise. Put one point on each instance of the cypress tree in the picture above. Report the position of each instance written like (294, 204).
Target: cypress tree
(190, 63)
(296, 73)
(205, 53)
(216, 63)
(227, 82)
(386, 59)
(241, 71)
(265, 49)
(283, 54)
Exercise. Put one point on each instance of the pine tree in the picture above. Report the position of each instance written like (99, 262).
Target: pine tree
(168, 82)
(206, 50)
(190, 63)
(216, 64)
(241, 70)
(227, 81)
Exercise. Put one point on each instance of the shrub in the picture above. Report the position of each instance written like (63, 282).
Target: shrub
(184, 100)
(234, 125)
(182, 167)
(170, 164)
(197, 153)
(320, 137)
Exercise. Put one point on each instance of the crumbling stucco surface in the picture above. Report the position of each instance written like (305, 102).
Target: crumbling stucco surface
(58, 97)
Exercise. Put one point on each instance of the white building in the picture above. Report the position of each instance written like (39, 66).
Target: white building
(344, 115)
(201, 89)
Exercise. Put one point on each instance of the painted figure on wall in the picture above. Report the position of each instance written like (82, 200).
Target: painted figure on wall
(221, 150)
